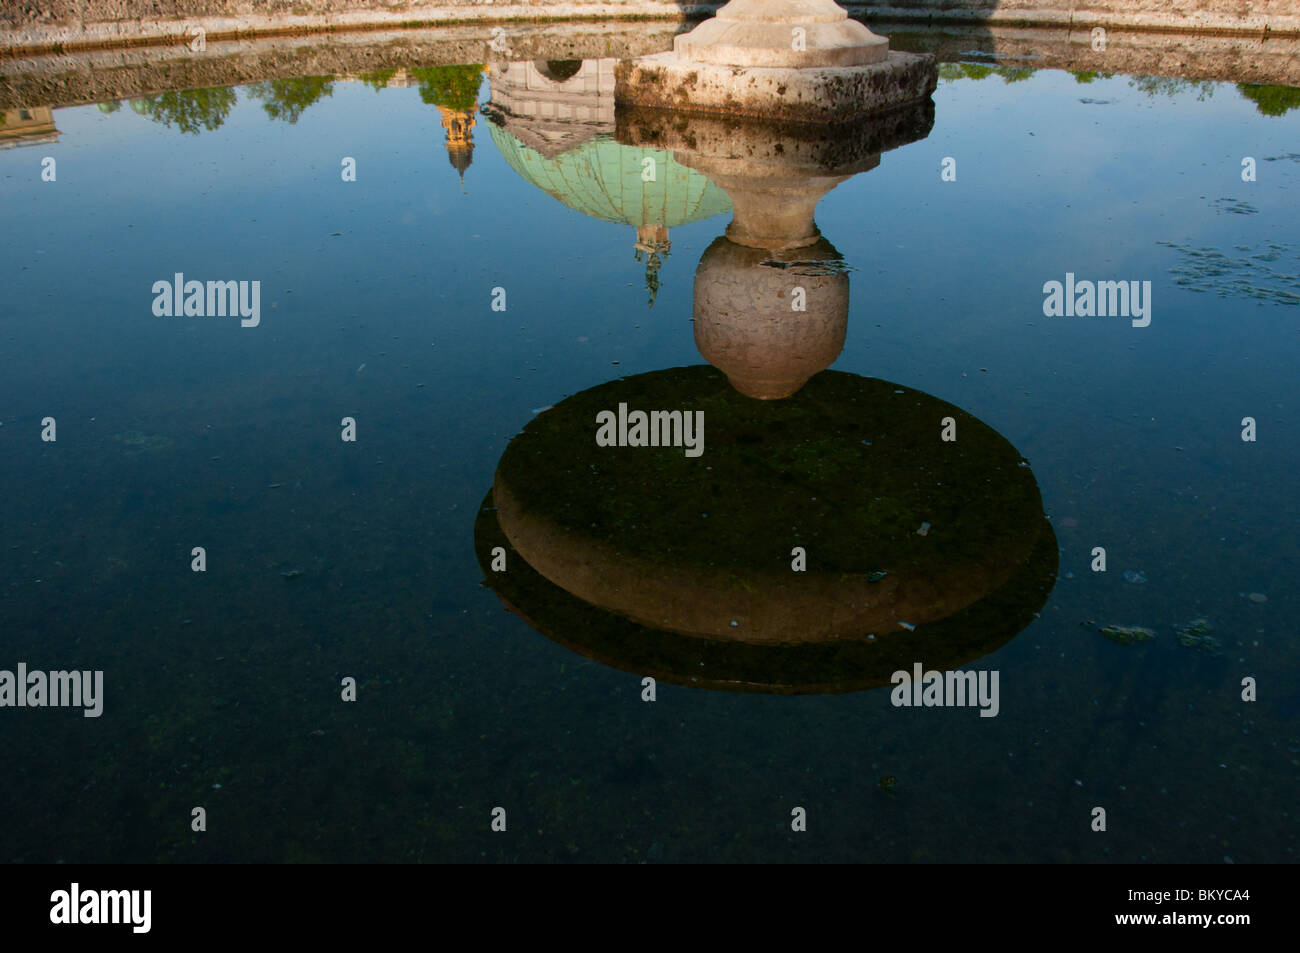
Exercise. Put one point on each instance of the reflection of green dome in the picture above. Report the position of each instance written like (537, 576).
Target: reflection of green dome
(602, 178)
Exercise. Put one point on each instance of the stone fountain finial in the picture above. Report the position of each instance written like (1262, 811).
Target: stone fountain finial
(765, 33)
(787, 60)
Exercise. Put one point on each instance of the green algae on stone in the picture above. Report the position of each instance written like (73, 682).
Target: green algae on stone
(847, 461)
(1196, 635)
(1127, 634)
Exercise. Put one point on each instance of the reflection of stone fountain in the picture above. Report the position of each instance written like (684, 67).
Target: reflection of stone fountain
(560, 129)
(745, 325)
(772, 296)
(801, 60)
(680, 567)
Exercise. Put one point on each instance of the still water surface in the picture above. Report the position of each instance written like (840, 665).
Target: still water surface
(328, 560)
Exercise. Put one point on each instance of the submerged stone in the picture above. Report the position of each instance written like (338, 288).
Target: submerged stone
(623, 528)
(1127, 634)
(1196, 635)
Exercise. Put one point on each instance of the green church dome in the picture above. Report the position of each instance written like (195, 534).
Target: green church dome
(602, 178)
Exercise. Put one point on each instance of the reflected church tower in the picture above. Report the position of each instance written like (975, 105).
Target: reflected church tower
(459, 124)
(454, 90)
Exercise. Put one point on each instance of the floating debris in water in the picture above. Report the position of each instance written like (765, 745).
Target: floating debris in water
(292, 574)
(876, 576)
(362, 367)
(137, 442)
(924, 530)
(1249, 276)
(1258, 597)
(1134, 576)
(1127, 634)
(908, 626)
(1196, 635)
(1235, 206)
(1097, 102)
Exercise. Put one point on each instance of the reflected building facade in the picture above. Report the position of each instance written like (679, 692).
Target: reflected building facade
(554, 124)
(27, 127)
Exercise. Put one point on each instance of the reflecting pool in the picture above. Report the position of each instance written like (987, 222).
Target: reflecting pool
(459, 267)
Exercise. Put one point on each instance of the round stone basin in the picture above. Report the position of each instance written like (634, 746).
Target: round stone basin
(849, 469)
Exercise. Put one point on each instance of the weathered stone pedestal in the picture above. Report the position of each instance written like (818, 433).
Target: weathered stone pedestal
(792, 60)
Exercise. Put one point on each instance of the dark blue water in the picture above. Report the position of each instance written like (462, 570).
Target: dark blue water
(329, 559)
